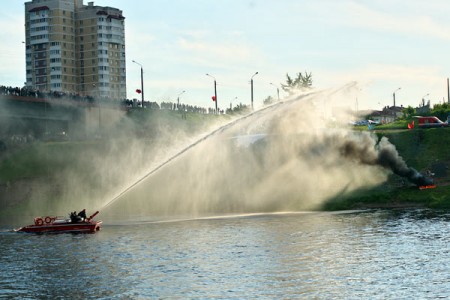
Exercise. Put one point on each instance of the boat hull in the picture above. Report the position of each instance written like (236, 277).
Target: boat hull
(67, 227)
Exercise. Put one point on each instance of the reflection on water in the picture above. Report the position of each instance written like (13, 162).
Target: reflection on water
(375, 254)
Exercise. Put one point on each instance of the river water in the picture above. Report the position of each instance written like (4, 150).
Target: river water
(375, 254)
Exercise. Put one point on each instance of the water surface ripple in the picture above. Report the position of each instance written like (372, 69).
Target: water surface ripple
(352, 255)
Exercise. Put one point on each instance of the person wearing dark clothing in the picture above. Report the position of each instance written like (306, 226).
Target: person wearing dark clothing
(82, 214)
(80, 217)
(74, 218)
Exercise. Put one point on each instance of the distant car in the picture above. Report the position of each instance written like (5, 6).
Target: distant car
(365, 123)
(430, 122)
(361, 123)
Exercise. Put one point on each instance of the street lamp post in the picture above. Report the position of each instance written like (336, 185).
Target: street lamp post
(178, 99)
(448, 91)
(251, 84)
(231, 106)
(278, 91)
(142, 82)
(215, 90)
(393, 94)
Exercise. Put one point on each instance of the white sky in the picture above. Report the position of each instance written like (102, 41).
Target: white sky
(384, 44)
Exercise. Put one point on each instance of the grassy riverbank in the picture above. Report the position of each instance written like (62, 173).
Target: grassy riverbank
(146, 129)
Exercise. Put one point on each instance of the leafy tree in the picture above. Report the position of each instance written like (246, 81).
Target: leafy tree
(409, 111)
(301, 82)
(269, 100)
(239, 109)
(441, 111)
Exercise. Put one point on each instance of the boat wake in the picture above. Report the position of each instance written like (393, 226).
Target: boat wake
(141, 220)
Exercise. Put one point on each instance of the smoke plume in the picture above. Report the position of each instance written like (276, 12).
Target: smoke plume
(383, 153)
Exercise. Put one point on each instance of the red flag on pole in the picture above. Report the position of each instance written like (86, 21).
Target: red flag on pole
(138, 91)
(213, 98)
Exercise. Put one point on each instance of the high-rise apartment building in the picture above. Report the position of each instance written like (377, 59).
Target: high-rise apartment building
(75, 48)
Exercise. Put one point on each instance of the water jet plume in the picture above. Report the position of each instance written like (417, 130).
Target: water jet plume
(286, 157)
(279, 170)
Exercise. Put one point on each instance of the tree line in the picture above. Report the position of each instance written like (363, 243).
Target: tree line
(440, 110)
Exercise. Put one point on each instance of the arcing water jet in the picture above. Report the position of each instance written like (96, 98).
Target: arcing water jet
(296, 163)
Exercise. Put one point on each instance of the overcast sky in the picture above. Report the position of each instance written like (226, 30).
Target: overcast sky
(384, 44)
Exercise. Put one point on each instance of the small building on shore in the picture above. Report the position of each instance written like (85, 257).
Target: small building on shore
(387, 115)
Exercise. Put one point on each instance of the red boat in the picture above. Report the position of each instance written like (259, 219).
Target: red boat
(60, 225)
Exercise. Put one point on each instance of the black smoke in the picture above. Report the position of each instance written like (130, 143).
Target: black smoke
(365, 149)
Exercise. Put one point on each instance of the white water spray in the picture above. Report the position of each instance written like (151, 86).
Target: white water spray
(288, 168)
(220, 129)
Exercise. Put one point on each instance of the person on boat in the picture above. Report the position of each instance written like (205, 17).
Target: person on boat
(82, 214)
(74, 218)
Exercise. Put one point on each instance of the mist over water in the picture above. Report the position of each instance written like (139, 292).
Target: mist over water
(287, 157)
